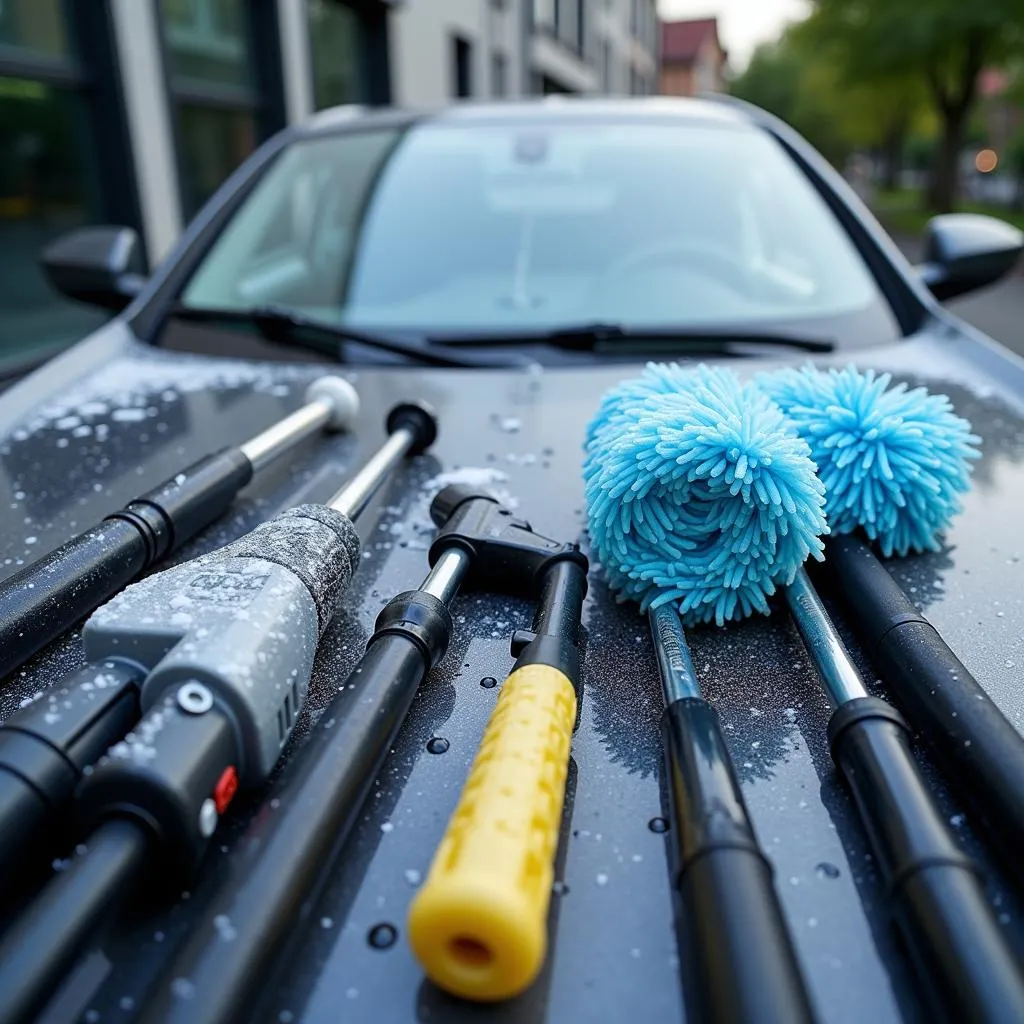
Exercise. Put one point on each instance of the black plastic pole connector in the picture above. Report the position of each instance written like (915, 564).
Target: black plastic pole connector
(981, 751)
(47, 597)
(935, 897)
(285, 857)
(737, 959)
(44, 749)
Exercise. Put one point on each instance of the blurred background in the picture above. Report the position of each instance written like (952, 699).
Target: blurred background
(134, 111)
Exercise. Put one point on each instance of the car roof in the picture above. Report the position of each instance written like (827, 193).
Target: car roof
(548, 109)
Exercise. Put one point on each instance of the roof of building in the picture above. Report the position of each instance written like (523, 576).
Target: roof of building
(681, 40)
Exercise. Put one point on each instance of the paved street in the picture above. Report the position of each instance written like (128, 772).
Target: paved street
(998, 311)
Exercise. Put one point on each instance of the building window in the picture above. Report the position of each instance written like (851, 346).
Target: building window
(210, 63)
(65, 162)
(606, 65)
(462, 67)
(334, 32)
(499, 74)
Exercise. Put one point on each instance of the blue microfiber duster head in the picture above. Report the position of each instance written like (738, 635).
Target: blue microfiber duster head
(894, 462)
(699, 493)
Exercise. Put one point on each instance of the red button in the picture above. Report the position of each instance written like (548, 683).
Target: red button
(226, 788)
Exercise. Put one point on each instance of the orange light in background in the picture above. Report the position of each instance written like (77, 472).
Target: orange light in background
(986, 160)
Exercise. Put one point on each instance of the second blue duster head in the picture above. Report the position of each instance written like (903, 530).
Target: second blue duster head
(699, 493)
(894, 461)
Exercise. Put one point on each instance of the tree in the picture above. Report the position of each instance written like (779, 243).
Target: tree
(943, 44)
(802, 81)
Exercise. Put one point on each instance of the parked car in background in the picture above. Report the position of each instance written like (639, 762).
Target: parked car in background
(508, 264)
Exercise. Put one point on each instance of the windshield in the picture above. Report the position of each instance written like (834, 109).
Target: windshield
(449, 227)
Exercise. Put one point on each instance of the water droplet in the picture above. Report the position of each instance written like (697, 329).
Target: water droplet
(382, 936)
(827, 870)
(286, 1017)
(412, 876)
(126, 1003)
(182, 988)
(488, 682)
(386, 827)
(91, 1016)
(437, 745)
(658, 825)
(326, 922)
(560, 888)
(602, 878)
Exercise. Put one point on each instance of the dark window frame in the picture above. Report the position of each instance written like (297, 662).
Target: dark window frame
(461, 51)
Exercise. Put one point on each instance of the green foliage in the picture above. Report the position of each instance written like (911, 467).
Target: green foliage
(803, 83)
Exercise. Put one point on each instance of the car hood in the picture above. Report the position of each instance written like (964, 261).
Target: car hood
(112, 418)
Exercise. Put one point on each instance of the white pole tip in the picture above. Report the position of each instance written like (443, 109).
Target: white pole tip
(343, 399)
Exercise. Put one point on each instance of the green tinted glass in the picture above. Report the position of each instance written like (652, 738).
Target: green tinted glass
(213, 143)
(207, 42)
(34, 27)
(47, 187)
(333, 36)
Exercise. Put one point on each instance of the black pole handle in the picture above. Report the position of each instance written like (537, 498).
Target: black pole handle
(47, 597)
(963, 965)
(45, 941)
(738, 961)
(44, 749)
(979, 749)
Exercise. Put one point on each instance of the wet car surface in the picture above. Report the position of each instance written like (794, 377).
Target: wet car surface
(114, 417)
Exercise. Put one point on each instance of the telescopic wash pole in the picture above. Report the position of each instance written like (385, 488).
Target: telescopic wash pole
(737, 958)
(232, 637)
(934, 890)
(40, 601)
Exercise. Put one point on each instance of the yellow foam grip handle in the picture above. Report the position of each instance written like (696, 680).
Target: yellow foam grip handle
(479, 924)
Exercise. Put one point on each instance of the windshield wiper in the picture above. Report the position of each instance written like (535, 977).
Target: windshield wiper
(593, 337)
(279, 324)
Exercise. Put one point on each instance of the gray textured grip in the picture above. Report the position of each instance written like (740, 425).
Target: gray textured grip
(316, 543)
(244, 621)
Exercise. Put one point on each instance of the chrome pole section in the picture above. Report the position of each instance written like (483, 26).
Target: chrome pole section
(838, 674)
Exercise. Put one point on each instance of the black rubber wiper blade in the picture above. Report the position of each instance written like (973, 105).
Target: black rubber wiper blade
(289, 328)
(593, 337)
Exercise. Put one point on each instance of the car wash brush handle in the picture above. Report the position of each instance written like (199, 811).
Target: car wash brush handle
(42, 600)
(737, 958)
(478, 925)
(980, 750)
(934, 891)
(231, 637)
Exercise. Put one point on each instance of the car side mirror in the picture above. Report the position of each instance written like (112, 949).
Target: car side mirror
(103, 266)
(964, 251)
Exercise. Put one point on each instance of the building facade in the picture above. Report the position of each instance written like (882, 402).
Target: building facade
(134, 111)
(494, 49)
